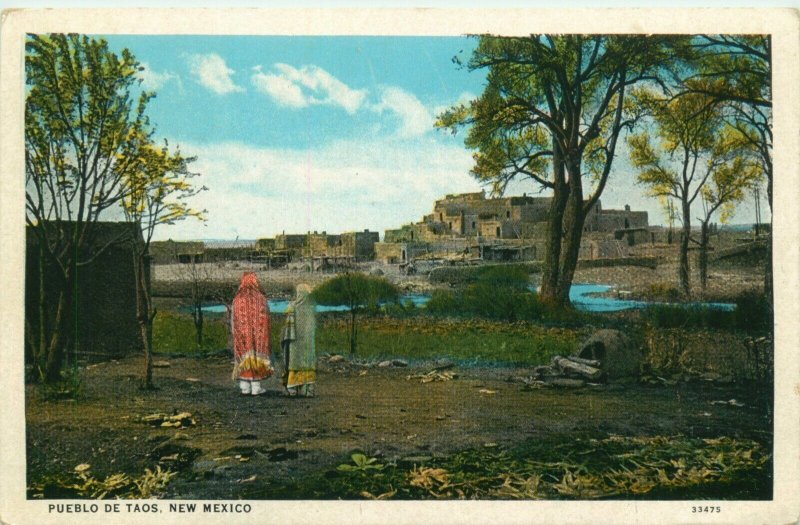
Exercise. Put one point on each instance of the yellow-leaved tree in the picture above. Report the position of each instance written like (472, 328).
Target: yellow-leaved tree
(156, 194)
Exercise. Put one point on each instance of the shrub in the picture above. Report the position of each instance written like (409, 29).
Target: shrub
(359, 292)
(753, 312)
(687, 316)
(505, 276)
(443, 302)
(663, 291)
(489, 301)
(460, 275)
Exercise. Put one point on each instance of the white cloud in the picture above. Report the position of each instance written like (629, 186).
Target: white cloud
(212, 72)
(415, 119)
(281, 89)
(152, 80)
(311, 85)
(307, 85)
(346, 186)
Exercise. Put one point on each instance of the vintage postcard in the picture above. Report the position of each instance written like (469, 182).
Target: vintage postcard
(400, 266)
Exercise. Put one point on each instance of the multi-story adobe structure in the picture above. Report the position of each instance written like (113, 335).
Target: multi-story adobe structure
(358, 246)
(504, 227)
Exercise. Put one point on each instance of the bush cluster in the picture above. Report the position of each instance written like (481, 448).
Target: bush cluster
(499, 292)
(752, 314)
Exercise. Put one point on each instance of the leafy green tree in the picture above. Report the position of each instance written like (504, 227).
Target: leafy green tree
(688, 155)
(80, 116)
(734, 72)
(552, 111)
(736, 173)
(674, 167)
(357, 291)
(156, 194)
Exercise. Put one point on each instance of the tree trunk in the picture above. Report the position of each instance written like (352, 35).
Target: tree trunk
(144, 328)
(40, 354)
(55, 347)
(197, 315)
(552, 254)
(352, 331)
(768, 282)
(702, 261)
(683, 258)
(571, 243)
(145, 317)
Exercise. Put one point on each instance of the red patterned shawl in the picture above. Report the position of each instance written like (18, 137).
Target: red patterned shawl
(250, 329)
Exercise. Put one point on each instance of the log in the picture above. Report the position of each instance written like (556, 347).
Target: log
(566, 383)
(590, 362)
(545, 370)
(586, 371)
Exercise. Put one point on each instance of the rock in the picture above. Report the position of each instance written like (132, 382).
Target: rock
(281, 454)
(335, 358)
(443, 364)
(376, 271)
(161, 364)
(399, 362)
(385, 364)
(567, 383)
(618, 355)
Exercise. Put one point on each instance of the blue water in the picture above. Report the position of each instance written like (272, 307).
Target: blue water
(580, 299)
(578, 295)
(277, 306)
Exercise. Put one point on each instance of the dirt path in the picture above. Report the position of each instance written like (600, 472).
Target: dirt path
(376, 410)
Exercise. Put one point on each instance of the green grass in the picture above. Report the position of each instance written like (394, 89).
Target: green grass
(424, 337)
(418, 337)
(174, 333)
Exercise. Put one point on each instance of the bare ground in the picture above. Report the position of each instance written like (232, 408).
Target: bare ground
(375, 410)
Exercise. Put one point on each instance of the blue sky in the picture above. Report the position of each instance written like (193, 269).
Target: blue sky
(319, 133)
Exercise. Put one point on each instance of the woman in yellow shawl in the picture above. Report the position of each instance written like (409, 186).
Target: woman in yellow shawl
(299, 345)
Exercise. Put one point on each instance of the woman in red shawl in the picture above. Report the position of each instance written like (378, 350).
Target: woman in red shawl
(250, 333)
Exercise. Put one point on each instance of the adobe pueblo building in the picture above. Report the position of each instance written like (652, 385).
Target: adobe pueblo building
(469, 225)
